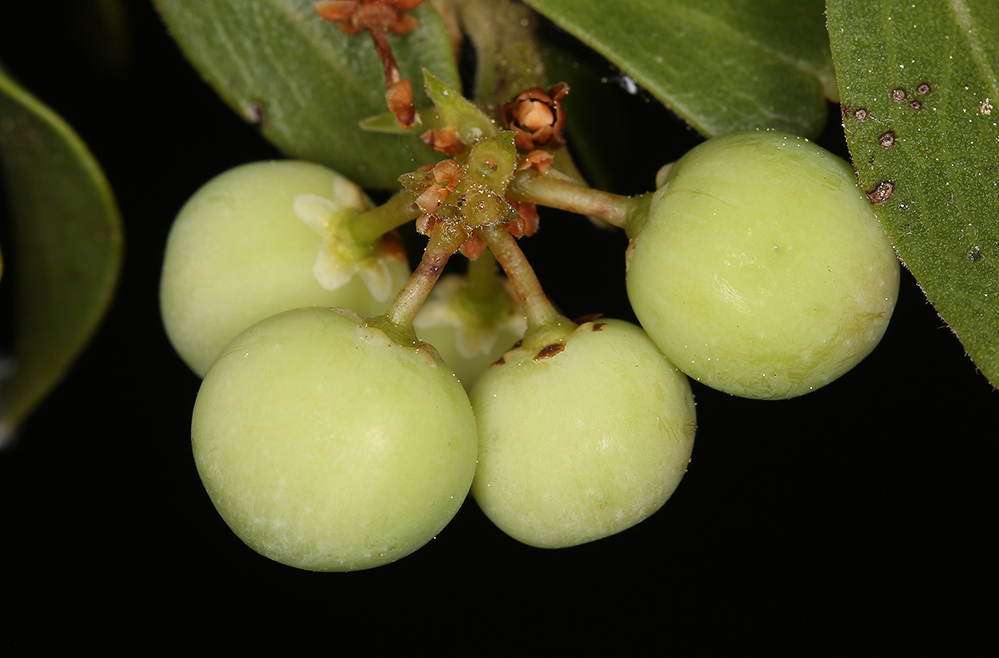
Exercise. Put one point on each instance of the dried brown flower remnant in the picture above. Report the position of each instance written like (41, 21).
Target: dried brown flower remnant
(399, 98)
(445, 175)
(536, 117)
(444, 140)
(537, 160)
(379, 17)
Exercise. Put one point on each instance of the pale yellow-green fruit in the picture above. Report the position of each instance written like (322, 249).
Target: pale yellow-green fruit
(329, 451)
(583, 444)
(762, 270)
(237, 253)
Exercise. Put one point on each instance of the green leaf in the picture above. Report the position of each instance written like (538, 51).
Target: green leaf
(307, 84)
(722, 65)
(918, 83)
(66, 249)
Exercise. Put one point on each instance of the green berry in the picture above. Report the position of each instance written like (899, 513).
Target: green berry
(328, 447)
(762, 270)
(582, 443)
(238, 253)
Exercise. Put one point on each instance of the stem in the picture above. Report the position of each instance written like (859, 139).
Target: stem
(368, 227)
(617, 210)
(480, 279)
(537, 308)
(444, 241)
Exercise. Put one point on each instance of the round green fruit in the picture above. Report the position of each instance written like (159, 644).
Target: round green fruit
(584, 443)
(326, 446)
(762, 270)
(237, 253)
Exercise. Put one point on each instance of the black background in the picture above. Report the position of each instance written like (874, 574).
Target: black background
(856, 516)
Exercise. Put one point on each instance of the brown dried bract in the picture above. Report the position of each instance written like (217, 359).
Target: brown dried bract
(538, 160)
(445, 174)
(536, 117)
(444, 140)
(426, 222)
(380, 18)
(473, 247)
(528, 221)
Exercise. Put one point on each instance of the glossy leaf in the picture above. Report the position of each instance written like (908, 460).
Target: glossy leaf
(918, 83)
(722, 65)
(66, 247)
(306, 84)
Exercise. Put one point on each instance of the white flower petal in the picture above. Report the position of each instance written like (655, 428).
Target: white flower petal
(319, 213)
(378, 277)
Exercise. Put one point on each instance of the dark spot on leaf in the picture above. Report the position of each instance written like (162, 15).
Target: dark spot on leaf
(975, 254)
(916, 105)
(887, 140)
(898, 95)
(923, 89)
(548, 351)
(861, 114)
(881, 193)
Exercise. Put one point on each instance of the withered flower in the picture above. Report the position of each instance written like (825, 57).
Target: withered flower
(379, 17)
(444, 140)
(536, 117)
(538, 160)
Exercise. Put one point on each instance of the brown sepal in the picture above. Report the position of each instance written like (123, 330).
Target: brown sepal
(538, 160)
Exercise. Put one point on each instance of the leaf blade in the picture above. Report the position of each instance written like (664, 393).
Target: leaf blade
(941, 156)
(722, 65)
(67, 246)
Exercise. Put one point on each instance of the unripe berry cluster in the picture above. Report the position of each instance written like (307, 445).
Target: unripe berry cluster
(337, 439)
